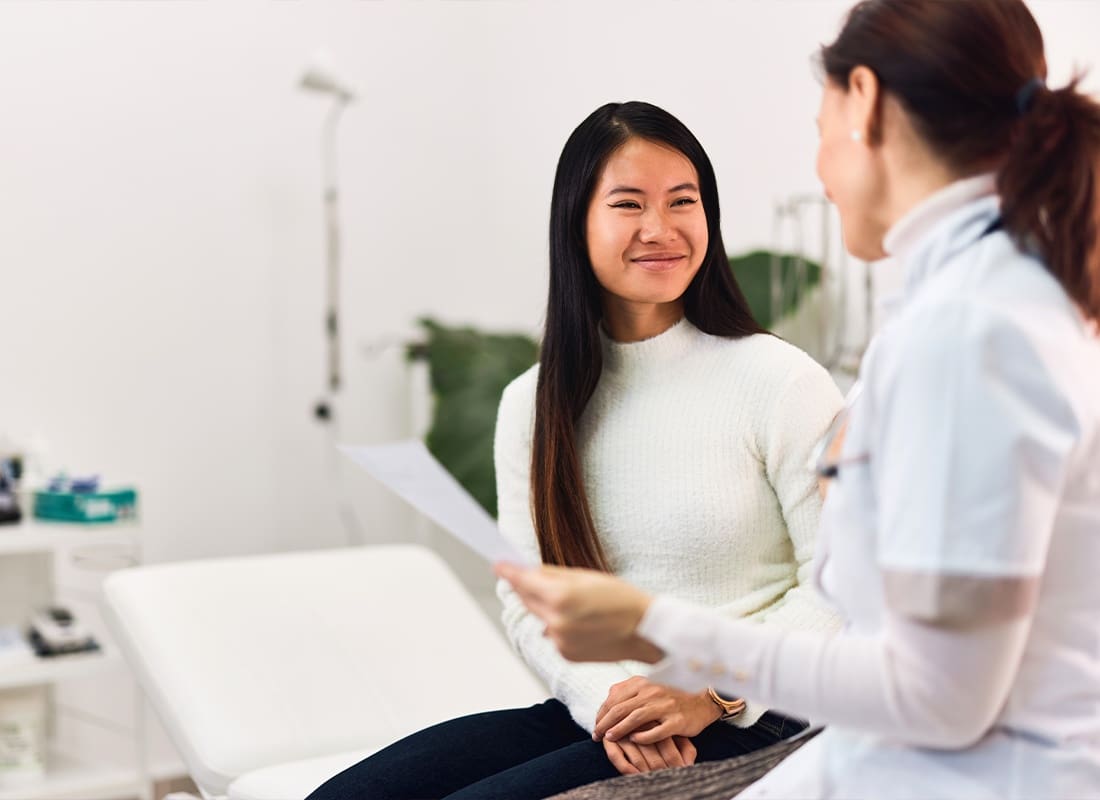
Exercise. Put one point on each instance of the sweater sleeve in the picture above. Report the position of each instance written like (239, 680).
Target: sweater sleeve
(581, 687)
(797, 419)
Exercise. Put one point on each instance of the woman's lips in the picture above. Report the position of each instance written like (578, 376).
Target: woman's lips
(659, 262)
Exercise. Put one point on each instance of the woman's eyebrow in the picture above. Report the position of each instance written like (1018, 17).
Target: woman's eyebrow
(681, 187)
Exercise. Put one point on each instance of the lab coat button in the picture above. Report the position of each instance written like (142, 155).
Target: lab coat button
(694, 664)
(740, 675)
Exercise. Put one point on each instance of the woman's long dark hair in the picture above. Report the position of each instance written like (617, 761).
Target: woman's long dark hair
(971, 77)
(571, 358)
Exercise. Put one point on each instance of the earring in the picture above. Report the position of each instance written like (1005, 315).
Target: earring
(857, 136)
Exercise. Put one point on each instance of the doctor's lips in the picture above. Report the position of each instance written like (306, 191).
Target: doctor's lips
(659, 262)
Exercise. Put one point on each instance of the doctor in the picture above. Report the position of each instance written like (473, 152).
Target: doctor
(961, 532)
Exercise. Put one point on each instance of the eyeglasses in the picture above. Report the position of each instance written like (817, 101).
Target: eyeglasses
(826, 454)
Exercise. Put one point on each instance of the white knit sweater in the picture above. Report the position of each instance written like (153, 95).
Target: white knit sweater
(695, 452)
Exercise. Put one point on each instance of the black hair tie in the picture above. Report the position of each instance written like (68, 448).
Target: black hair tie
(1025, 98)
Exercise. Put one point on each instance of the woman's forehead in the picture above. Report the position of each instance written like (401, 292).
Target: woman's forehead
(648, 166)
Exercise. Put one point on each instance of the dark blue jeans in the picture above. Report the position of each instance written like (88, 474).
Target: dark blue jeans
(519, 754)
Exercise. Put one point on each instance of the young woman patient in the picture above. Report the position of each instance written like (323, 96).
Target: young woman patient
(662, 437)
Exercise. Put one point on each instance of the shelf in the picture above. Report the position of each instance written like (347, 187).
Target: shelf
(39, 536)
(48, 670)
(41, 562)
(68, 778)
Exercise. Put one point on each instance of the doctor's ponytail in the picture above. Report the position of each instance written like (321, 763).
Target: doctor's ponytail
(1050, 189)
(971, 76)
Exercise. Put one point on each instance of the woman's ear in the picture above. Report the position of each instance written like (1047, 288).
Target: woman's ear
(864, 106)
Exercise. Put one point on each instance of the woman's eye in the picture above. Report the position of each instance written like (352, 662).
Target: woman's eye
(626, 204)
(685, 201)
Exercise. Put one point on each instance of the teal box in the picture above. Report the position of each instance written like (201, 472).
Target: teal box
(105, 506)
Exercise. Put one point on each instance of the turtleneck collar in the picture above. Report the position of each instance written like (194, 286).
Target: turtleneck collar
(948, 221)
(669, 345)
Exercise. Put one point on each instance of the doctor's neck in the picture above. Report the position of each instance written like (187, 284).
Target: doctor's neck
(912, 172)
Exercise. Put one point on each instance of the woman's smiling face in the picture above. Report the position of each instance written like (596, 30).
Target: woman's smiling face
(646, 229)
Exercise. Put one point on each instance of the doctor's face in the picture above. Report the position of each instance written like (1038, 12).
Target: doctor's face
(850, 170)
(645, 229)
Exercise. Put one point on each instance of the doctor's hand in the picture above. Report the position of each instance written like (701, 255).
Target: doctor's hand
(647, 712)
(631, 759)
(589, 615)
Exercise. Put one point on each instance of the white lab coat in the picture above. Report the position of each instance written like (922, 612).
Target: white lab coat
(973, 450)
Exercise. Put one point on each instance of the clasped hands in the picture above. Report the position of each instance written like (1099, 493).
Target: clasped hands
(645, 726)
(593, 616)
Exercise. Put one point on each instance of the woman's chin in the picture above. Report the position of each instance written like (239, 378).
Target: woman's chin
(656, 289)
(654, 298)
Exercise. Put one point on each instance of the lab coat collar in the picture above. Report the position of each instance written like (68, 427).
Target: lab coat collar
(950, 220)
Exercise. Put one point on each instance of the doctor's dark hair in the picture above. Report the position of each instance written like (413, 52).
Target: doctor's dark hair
(571, 358)
(971, 77)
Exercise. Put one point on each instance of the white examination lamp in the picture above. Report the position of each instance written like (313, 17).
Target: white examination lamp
(321, 77)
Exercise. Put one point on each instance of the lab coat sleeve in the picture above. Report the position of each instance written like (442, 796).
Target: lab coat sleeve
(918, 684)
(799, 417)
(581, 687)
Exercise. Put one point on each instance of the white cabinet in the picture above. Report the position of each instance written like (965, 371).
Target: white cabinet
(96, 719)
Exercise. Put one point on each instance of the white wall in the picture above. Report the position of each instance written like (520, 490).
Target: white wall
(161, 269)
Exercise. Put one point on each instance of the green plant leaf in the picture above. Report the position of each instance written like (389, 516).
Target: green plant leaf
(754, 275)
(469, 370)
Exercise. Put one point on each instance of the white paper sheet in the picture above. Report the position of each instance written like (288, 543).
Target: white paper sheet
(411, 472)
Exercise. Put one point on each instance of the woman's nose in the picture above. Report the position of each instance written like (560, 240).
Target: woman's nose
(655, 224)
